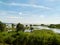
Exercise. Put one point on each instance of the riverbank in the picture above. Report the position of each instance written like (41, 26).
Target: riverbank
(36, 37)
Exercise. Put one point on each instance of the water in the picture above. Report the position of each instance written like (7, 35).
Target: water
(27, 31)
(42, 27)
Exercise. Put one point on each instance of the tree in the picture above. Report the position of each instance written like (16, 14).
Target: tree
(20, 27)
(2, 26)
(51, 26)
(13, 26)
(42, 24)
(26, 27)
(31, 28)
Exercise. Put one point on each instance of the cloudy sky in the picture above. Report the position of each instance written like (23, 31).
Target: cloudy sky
(30, 11)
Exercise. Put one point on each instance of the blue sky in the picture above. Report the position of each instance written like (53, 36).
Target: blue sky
(30, 11)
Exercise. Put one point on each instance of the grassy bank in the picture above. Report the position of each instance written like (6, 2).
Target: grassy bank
(38, 37)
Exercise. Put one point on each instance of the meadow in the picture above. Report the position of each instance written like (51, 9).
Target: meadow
(37, 37)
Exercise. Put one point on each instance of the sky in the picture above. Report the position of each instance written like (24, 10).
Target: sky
(30, 11)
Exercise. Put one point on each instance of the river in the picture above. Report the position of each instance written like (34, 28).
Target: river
(42, 27)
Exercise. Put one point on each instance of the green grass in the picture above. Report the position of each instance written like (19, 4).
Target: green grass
(37, 37)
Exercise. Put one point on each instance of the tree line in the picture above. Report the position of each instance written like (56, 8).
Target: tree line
(57, 26)
(19, 27)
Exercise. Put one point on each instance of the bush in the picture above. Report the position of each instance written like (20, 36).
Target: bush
(20, 27)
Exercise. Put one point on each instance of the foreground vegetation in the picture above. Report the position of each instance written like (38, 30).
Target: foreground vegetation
(19, 37)
(37, 37)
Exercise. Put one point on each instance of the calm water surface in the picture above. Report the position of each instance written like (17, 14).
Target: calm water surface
(42, 27)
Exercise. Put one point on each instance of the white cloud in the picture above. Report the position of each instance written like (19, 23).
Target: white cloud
(41, 16)
(26, 5)
(10, 14)
(5, 13)
(20, 13)
(29, 5)
(31, 18)
(12, 17)
(2, 13)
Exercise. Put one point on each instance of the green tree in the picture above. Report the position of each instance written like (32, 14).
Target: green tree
(20, 27)
(26, 27)
(2, 26)
(13, 26)
(51, 26)
(42, 25)
(31, 28)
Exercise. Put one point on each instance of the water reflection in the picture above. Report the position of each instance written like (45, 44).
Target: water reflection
(42, 27)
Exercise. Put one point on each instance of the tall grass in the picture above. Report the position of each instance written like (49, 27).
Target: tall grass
(37, 37)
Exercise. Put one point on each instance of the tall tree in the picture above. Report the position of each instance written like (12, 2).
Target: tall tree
(13, 26)
(31, 28)
(26, 27)
(20, 27)
(2, 26)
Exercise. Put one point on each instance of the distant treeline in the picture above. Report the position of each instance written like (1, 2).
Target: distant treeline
(54, 26)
